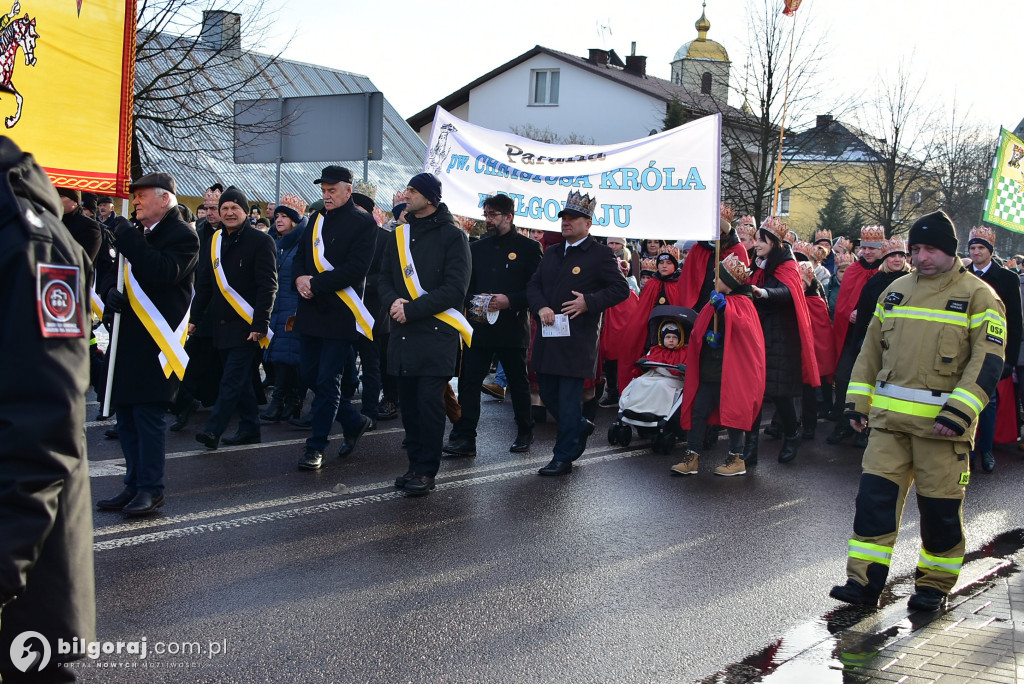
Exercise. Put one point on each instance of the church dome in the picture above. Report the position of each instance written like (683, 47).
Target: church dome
(701, 47)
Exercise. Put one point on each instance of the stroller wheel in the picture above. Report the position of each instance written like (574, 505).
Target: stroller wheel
(625, 434)
(613, 434)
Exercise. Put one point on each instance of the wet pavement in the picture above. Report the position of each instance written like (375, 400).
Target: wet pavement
(255, 571)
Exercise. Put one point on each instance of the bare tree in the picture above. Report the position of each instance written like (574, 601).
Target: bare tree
(188, 74)
(546, 135)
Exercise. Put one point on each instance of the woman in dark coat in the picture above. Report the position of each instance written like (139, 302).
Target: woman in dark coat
(788, 339)
(283, 354)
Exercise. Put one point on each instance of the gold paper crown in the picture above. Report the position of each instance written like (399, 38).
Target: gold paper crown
(212, 195)
(365, 188)
(736, 268)
(649, 264)
(823, 234)
(775, 226)
(728, 213)
(893, 245)
(844, 259)
(581, 203)
(746, 226)
(983, 233)
(295, 203)
(791, 237)
(804, 248)
(806, 270)
(842, 245)
(872, 234)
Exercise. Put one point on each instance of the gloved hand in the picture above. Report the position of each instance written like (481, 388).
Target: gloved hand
(116, 302)
(713, 339)
(717, 300)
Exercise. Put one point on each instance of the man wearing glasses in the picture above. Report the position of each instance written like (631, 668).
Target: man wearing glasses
(503, 262)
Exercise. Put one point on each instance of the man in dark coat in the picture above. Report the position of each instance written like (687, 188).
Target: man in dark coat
(46, 561)
(503, 262)
(329, 269)
(162, 257)
(981, 245)
(85, 230)
(237, 273)
(105, 213)
(578, 279)
(423, 283)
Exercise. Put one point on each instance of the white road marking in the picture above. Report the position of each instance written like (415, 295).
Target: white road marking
(326, 506)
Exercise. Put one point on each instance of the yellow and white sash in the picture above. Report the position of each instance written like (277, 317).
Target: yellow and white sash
(364, 321)
(173, 358)
(95, 301)
(236, 300)
(412, 284)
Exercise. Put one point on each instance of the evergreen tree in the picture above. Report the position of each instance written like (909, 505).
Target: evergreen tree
(675, 114)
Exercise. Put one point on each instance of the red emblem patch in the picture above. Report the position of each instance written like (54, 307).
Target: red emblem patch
(57, 296)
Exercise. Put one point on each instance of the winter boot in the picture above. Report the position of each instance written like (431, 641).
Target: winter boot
(790, 445)
(734, 465)
(688, 466)
(590, 409)
(750, 449)
(275, 410)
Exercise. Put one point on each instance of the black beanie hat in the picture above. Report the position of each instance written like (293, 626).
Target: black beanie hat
(427, 185)
(935, 229)
(71, 194)
(233, 194)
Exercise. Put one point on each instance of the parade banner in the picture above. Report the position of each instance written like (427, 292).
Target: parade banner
(1004, 206)
(666, 186)
(66, 80)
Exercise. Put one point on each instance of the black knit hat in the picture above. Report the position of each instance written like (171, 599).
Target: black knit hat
(427, 185)
(935, 229)
(71, 194)
(363, 201)
(233, 194)
(668, 257)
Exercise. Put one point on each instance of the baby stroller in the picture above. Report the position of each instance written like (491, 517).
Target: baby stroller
(651, 402)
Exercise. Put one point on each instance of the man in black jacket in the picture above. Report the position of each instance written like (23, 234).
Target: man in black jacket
(981, 245)
(46, 560)
(577, 280)
(502, 262)
(329, 269)
(423, 284)
(85, 230)
(237, 282)
(162, 259)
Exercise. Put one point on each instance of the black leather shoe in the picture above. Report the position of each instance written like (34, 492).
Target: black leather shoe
(304, 423)
(854, 593)
(926, 598)
(311, 459)
(750, 449)
(418, 485)
(144, 503)
(790, 447)
(181, 420)
(843, 431)
(773, 431)
(522, 443)
(402, 479)
(387, 410)
(111, 433)
(556, 468)
(274, 412)
(588, 429)
(460, 447)
(208, 439)
(988, 462)
(348, 445)
(116, 503)
(240, 438)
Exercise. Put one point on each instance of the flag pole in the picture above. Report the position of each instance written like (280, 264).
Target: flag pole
(782, 127)
(112, 347)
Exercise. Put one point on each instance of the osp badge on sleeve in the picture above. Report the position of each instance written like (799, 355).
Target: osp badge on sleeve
(57, 294)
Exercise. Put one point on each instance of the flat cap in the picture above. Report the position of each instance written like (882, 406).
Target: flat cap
(334, 174)
(157, 179)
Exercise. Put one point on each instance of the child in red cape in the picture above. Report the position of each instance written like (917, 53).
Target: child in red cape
(658, 389)
(724, 370)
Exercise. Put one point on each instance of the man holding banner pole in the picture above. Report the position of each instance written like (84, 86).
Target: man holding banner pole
(237, 282)
(150, 360)
(330, 266)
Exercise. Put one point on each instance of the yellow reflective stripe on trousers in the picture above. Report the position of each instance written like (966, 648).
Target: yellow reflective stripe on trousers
(919, 314)
(873, 553)
(364, 321)
(860, 388)
(237, 302)
(930, 562)
(910, 408)
(412, 284)
(966, 397)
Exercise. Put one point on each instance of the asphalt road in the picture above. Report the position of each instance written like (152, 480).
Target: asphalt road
(619, 572)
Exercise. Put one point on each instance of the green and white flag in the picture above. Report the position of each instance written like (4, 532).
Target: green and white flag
(1004, 206)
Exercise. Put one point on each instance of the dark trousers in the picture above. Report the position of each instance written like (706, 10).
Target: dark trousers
(809, 407)
(475, 364)
(369, 356)
(388, 382)
(985, 437)
(202, 375)
(323, 362)
(236, 391)
(707, 399)
(140, 428)
(785, 413)
(286, 382)
(563, 397)
(423, 416)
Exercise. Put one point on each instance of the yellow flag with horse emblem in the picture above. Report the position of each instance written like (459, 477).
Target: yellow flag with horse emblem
(67, 74)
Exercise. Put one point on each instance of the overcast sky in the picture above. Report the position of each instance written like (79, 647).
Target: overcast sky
(418, 52)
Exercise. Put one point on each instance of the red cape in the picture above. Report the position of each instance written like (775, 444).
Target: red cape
(849, 293)
(659, 354)
(695, 269)
(824, 344)
(1006, 413)
(618, 322)
(788, 274)
(629, 346)
(742, 366)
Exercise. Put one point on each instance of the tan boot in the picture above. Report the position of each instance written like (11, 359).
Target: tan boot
(688, 466)
(734, 465)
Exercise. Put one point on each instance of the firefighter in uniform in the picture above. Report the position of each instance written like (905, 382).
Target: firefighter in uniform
(932, 356)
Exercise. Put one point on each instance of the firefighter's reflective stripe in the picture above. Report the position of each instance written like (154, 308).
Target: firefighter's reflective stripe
(989, 316)
(918, 396)
(860, 388)
(966, 397)
(922, 314)
(873, 553)
(910, 408)
(930, 562)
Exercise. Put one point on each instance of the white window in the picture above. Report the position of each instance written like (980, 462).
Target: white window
(544, 87)
(917, 198)
(783, 208)
(897, 211)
